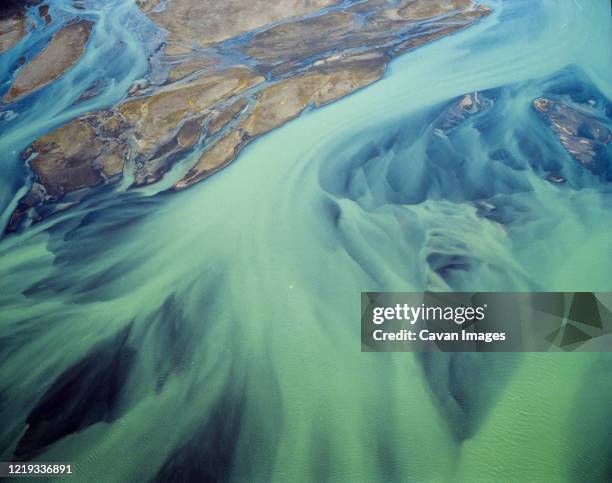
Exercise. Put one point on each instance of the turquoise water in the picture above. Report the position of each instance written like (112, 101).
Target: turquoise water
(121, 33)
(215, 332)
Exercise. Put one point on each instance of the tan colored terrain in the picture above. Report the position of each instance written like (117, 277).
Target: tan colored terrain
(281, 102)
(219, 99)
(206, 22)
(63, 52)
(77, 155)
(154, 117)
(183, 68)
(12, 28)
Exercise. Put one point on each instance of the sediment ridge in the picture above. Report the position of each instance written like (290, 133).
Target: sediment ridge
(231, 76)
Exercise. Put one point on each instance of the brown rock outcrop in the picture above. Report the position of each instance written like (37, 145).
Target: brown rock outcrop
(61, 54)
(580, 133)
(220, 98)
(205, 22)
(12, 27)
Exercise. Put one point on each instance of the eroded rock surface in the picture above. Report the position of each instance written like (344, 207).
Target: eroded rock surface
(585, 137)
(232, 73)
(280, 102)
(63, 52)
(12, 27)
(203, 23)
(467, 106)
(13, 21)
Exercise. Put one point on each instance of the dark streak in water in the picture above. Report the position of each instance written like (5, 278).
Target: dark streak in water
(464, 387)
(87, 393)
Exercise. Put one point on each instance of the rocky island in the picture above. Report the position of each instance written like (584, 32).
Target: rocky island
(230, 74)
(63, 51)
(581, 130)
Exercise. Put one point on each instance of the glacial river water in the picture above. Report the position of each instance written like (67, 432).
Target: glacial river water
(216, 331)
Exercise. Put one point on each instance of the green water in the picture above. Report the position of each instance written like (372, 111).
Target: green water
(236, 302)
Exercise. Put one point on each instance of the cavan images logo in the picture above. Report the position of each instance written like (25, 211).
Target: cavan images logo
(487, 321)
